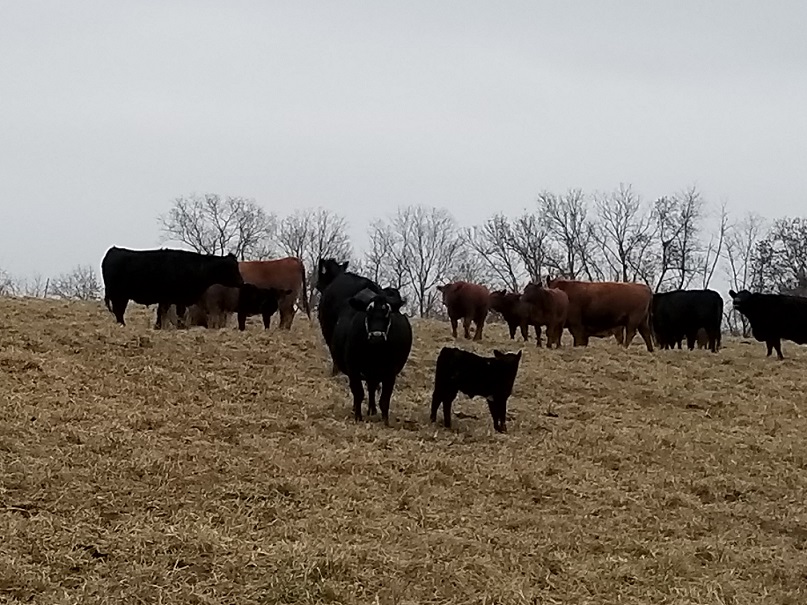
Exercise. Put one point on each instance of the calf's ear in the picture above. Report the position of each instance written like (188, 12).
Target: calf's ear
(732, 293)
(441, 288)
(497, 354)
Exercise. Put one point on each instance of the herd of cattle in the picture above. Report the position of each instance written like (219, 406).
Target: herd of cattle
(370, 339)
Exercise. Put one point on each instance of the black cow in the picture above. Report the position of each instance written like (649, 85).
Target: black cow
(682, 313)
(371, 343)
(338, 286)
(459, 371)
(773, 317)
(163, 277)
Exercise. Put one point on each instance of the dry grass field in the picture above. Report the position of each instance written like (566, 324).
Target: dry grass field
(224, 467)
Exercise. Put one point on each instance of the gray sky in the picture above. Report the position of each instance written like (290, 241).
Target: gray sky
(109, 110)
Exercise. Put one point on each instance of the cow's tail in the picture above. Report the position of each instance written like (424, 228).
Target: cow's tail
(304, 293)
(107, 302)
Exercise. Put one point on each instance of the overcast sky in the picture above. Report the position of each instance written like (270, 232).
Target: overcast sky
(109, 110)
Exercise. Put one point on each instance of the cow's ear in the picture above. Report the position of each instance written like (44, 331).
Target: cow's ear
(518, 357)
(732, 293)
(357, 304)
(497, 354)
(441, 288)
(344, 265)
(396, 305)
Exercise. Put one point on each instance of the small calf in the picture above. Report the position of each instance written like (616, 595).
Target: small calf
(489, 377)
(253, 300)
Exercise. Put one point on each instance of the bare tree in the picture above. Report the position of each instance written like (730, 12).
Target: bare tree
(678, 223)
(570, 234)
(79, 284)
(423, 247)
(312, 234)
(213, 224)
(624, 233)
(494, 244)
(781, 257)
(8, 287)
(529, 240)
(37, 286)
(714, 249)
(739, 252)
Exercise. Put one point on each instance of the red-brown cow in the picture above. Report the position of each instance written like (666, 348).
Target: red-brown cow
(515, 313)
(547, 307)
(283, 274)
(598, 306)
(466, 301)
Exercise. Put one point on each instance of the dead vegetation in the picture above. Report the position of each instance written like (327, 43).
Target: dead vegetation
(224, 467)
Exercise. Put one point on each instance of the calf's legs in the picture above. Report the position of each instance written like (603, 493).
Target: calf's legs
(446, 398)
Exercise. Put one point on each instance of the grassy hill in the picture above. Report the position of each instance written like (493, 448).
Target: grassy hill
(224, 467)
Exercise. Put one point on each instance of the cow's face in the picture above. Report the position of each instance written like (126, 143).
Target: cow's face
(327, 271)
(377, 315)
(740, 300)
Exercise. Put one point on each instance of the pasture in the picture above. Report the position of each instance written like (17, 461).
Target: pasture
(223, 467)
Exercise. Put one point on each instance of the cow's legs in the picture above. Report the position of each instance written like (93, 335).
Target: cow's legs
(162, 309)
(480, 324)
(436, 401)
(372, 388)
(119, 308)
(466, 325)
(386, 395)
(357, 388)
(537, 336)
(181, 310)
(513, 326)
(579, 336)
(242, 321)
(647, 336)
(525, 331)
(454, 326)
(691, 341)
(286, 317)
(267, 320)
(447, 399)
(777, 344)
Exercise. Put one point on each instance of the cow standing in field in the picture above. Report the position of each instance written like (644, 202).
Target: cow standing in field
(598, 306)
(514, 312)
(547, 307)
(682, 313)
(219, 302)
(337, 286)
(162, 277)
(371, 342)
(282, 274)
(466, 301)
(459, 371)
(773, 317)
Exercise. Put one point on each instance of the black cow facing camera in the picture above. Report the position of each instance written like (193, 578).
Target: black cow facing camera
(459, 371)
(773, 317)
(371, 343)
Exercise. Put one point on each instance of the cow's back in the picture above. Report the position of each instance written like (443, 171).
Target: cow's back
(281, 273)
(467, 299)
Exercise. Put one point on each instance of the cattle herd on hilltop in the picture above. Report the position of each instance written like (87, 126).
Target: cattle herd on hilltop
(370, 339)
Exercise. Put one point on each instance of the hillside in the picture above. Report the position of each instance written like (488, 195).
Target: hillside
(224, 467)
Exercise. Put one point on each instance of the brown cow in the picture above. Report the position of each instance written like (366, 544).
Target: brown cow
(597, 306)
(514, 312)
(218, 302)
(284, 274)
(466, 301)
(547, 307)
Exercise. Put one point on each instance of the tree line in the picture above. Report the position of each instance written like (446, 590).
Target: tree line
(673, 242)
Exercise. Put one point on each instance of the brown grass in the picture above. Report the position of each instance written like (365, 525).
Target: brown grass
(224, 467)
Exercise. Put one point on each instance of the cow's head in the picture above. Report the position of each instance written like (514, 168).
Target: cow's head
(534, 293)
(378, 310)
(446, 290)
(328, 269)
(224, 271)
(739, 300)
(505, 368)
